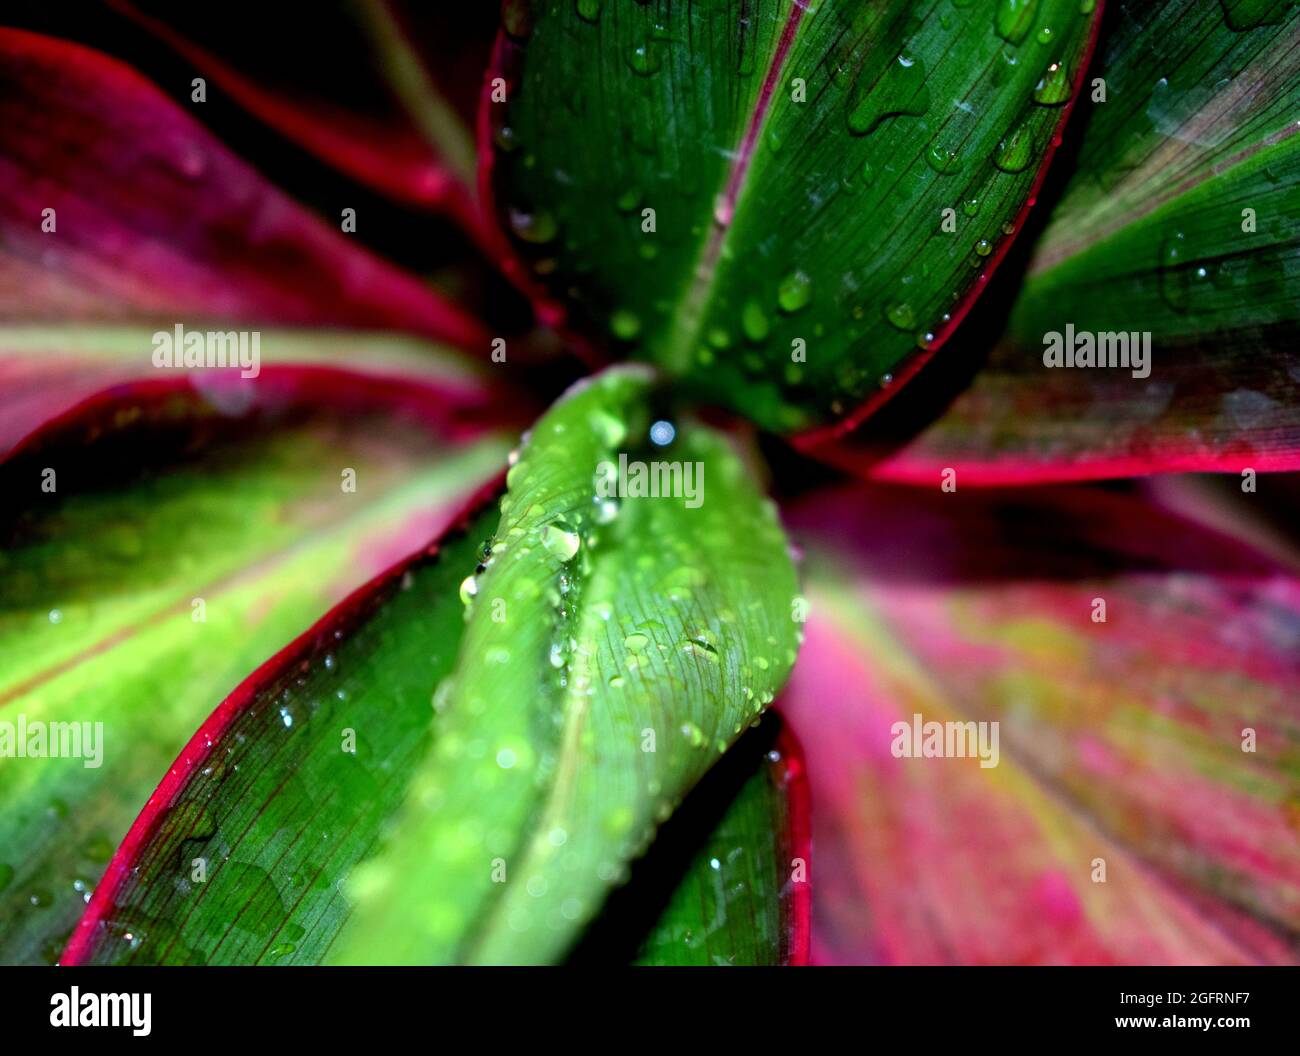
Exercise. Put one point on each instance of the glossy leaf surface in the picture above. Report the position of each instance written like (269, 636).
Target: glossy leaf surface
(785, 203)
(1181, 220)
(160, 545)
(615, 647)
(239, 856)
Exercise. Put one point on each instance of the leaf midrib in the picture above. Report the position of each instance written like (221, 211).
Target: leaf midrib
(686, 328)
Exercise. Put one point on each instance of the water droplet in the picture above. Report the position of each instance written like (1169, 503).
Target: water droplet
(753, 322)
(902, 90)
(536, 227)
(983, 247)
(693, 734)
(900, 314)
(606, 510)
(517, 18)
(644, 59)
(942, 160)
(636, 642)
(1174, 277)
(662, 433)
(970, 206)
(1044, 35)
(700, 647)
(1014, 19)
(56, 616)
(515, 474)
(625, 324)
(589, 10)
(561, 540)
(794, 292)
(611, 430)
(468, 588)
(1016, 151)
(1054, 87)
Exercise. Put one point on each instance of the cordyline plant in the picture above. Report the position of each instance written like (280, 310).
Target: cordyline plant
(277, 307)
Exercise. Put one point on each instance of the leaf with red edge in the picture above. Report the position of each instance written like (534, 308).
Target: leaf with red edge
(1181, 219)
(239, 853)
(726, 881)
(160, 539)
(394, 113)
(1122, 745)
(48, 372)
(788, 205)
(614, 649)
(153, 219)
(273, 805)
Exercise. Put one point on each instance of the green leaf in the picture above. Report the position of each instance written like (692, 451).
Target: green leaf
(716, 183)
(186, 541)
(1199, 124)
(287, 785)
(725, 881)
(614, 648)
(1183, 220)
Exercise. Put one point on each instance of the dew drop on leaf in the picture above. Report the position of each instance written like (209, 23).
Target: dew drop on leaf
(900, 314)
(561, 540)
(1016, 151)
(536, 227)
(1054, 87)
(468, 588)
(644, 59)
(902, 90)
(1014, 18)
(795, 292)
(754, 322)
(625, 324)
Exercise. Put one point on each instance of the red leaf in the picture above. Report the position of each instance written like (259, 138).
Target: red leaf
(155, 219)
(1119, 741)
